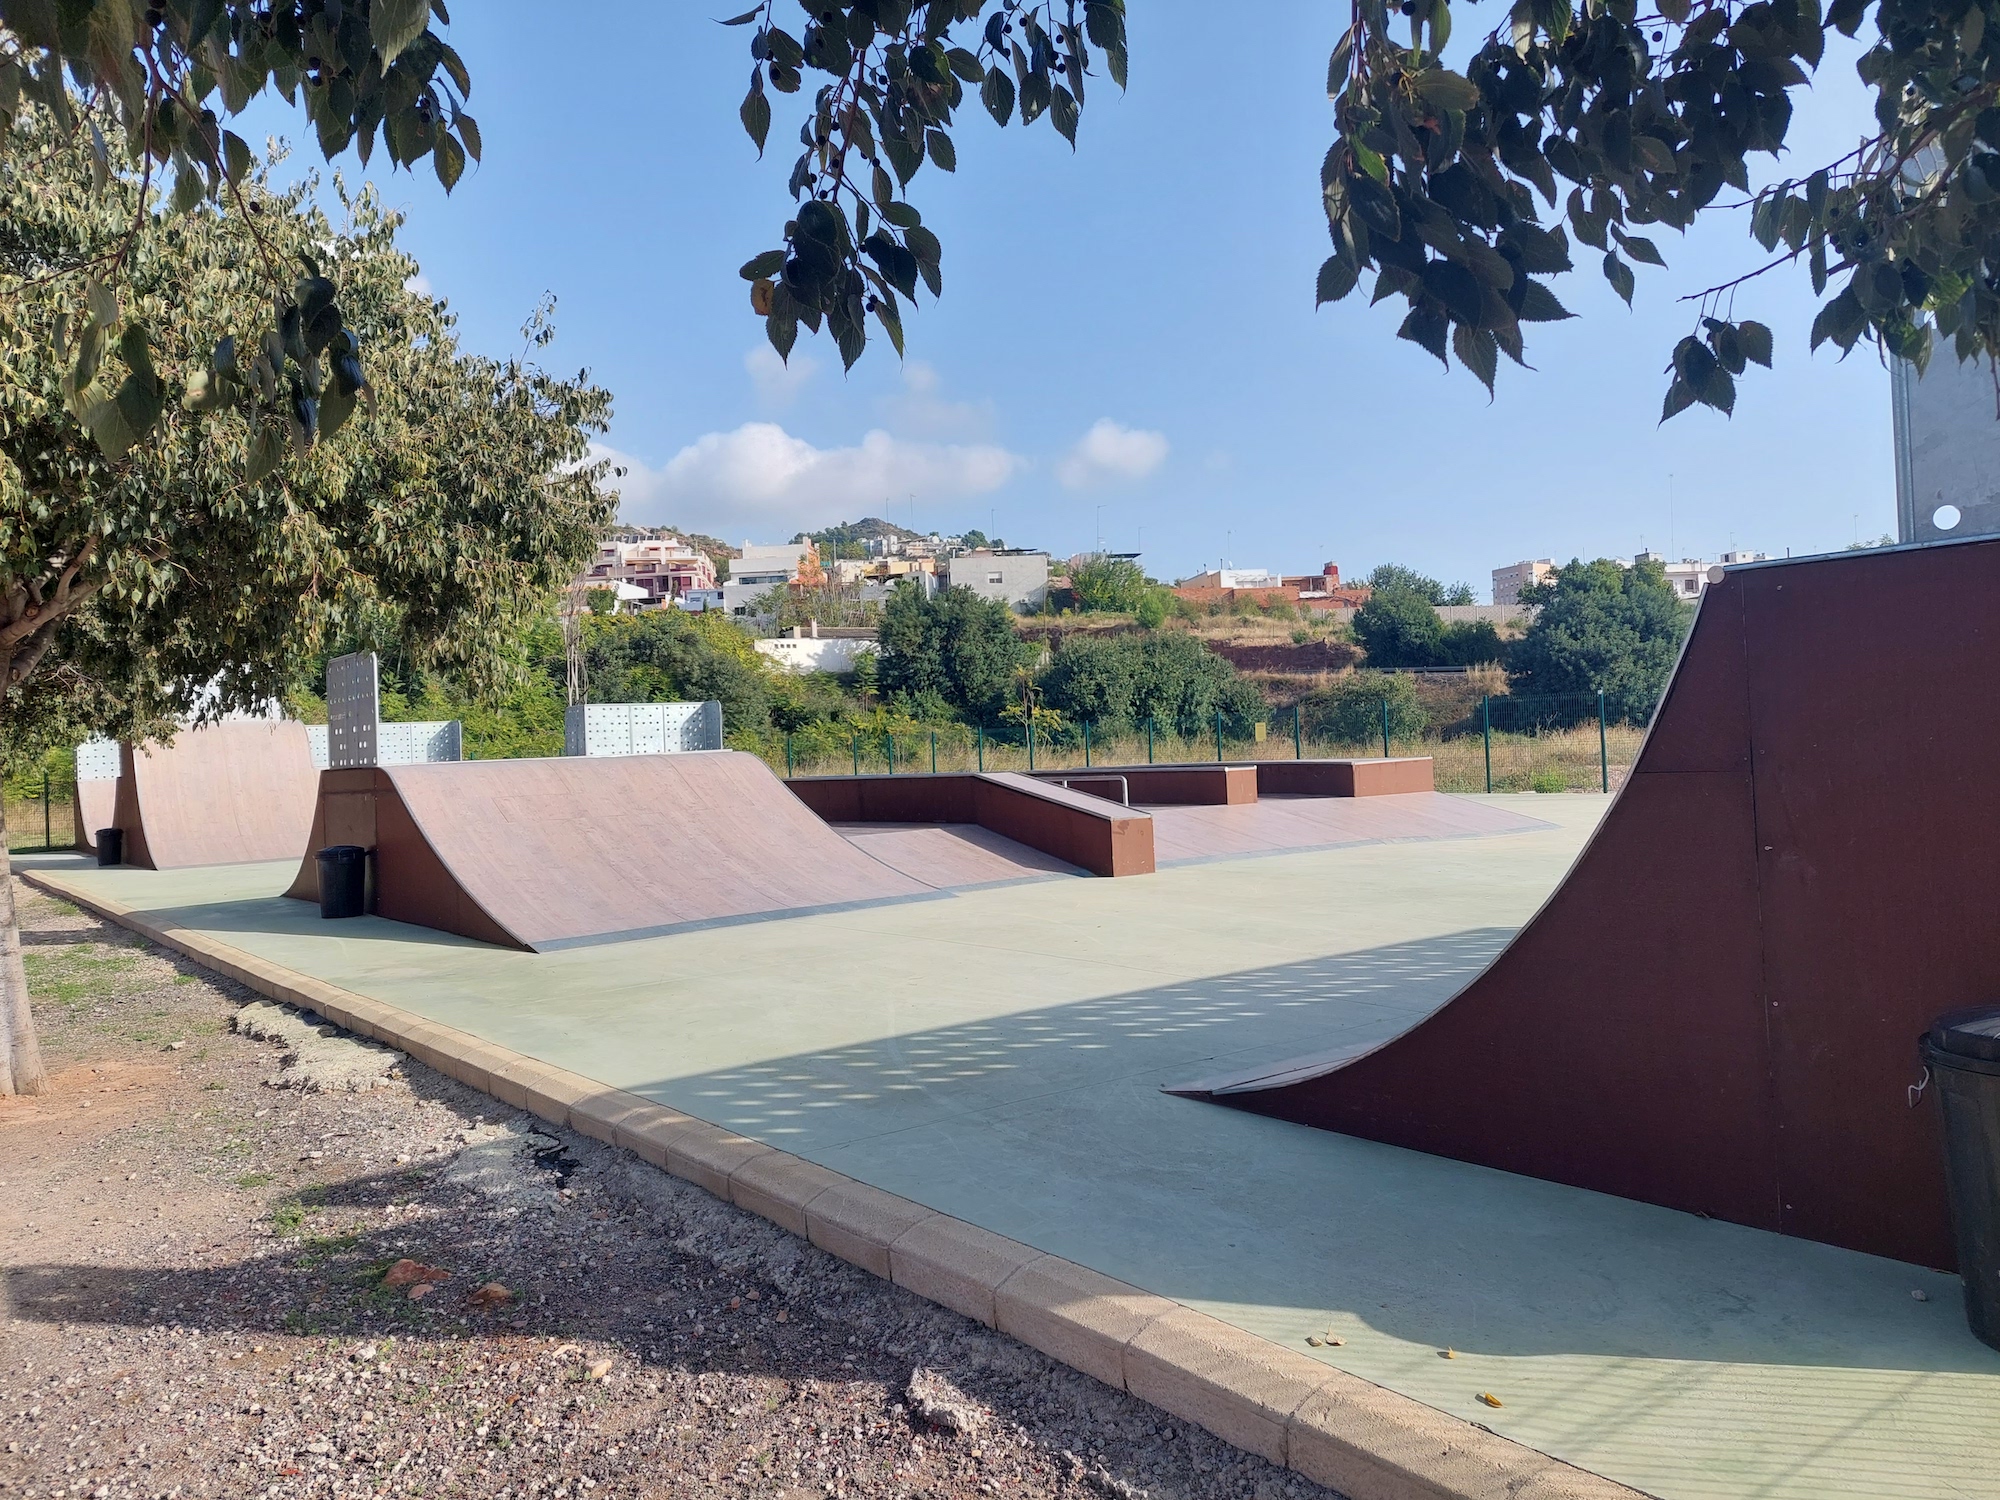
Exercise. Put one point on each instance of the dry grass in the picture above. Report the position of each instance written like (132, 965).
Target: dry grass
(1557, 760)
(25, 829)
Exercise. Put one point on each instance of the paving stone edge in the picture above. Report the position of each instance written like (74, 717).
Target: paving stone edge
(1355, 1437)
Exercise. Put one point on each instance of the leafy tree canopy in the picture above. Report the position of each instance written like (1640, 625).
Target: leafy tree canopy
(954, 646)
(1394, 577)
(1399, 627)
(1107, 583)
(1116, 683)
(1602, 628)
(1463, 193)
(144, 86)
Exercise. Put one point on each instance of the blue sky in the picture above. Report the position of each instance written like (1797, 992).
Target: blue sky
(1127, 345)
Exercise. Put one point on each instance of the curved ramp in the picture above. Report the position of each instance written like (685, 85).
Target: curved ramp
(96, 807)
(230, 793)
(550, 854)
(1718, 1009)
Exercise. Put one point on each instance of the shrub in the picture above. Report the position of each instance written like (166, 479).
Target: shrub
(1351, 710)
(1548, 781)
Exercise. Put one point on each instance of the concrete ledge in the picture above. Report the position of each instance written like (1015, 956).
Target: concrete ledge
(1075, 1315)
(859, 1223)
(1337, 1429)
(778, 1186)
(1241, 1388)
(956, 1264)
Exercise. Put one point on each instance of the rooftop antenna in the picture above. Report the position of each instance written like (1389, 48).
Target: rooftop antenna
(1670, 513)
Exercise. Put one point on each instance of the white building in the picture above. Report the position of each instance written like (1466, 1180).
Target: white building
(1510, 580)
(760, 568)
(1019, 580)
(1689, 577)
(1233, 578)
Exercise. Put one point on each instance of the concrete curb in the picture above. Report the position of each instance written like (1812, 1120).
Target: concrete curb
(1365, 1441)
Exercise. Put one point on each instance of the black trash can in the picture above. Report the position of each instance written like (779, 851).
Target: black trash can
(343, 880)
(111, 846)
(1962, 1051)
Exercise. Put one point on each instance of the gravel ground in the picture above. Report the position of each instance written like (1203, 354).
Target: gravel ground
(287, 1264)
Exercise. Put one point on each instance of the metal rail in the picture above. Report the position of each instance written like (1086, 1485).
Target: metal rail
(1124, 786)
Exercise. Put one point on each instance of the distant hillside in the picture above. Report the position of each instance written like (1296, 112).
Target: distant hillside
(854, 534)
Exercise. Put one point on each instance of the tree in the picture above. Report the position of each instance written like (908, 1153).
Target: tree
(671, 656)
(954, 644)
(139, 590)
(148, 79)
(1389, 576)
(1600, 628)
(1442, 186)
(1181, 686)
(1351, 710)
(1092, 679)
(1106, 583)
(976, 540)
(1399, 627)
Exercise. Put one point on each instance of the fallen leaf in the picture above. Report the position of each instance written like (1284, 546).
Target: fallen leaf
(1447, 1354)
(1490, 1399)
(598, 1369)
(422, 1290)
(493, 1294)
(1315, 1340)
(407, 1272)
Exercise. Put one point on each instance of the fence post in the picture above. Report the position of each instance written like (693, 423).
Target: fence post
(1385, 729)
(1149, 739)
(1603, 748)
(1086, 744)
(1218, 734)
(890, 741)
(1486, 734)
(857, 755)
(47, 837)
(933, 752)
(1031, 740)
(1298, 733)
(791, 766)
(982, 749)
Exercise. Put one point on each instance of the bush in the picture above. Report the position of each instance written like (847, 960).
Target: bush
(954, 644)
(1117, 683)
(1108, 583)
(1153, 608)
(1600, 628)
(1351, 710)
(1548, 781)
(1398, 627)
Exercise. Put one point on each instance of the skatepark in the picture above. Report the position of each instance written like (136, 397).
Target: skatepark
(1610, 1099)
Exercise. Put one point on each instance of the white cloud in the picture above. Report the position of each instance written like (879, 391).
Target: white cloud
(777, 382)
(921, 409)
(760, 481)
(1110, 453)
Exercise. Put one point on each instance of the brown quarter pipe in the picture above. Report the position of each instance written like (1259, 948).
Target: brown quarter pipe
(230, 793)
(95, 807)
(549, 854)
(1718, 1009)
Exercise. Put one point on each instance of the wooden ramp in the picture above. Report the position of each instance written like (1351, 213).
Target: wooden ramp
(227, 794)
(550, 854)
(96, 807)
(1718, 1010)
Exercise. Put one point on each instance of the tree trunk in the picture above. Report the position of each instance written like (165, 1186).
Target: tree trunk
(20, 1058)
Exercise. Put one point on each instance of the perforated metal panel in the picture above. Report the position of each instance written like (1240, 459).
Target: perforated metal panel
(401, 744)
(353, 709)
(97, 760)
(641, 728)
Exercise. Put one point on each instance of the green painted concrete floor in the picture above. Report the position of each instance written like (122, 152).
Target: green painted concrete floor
(999, 1056)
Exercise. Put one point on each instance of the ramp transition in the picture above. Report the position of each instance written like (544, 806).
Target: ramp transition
(1718, 1009)
(231, 793)
(549, 854)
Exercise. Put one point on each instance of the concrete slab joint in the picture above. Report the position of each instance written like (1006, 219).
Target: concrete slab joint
(956, 1264)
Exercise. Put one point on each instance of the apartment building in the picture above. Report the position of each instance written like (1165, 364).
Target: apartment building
(758, 568)
(1510, 580)
(1019, 579)
(663, 569)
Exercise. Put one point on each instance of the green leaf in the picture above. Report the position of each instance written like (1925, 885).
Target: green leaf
(1479, 352)
(743, 20)
(1755, 341)
(335, 407)
(902, 214)
(1619, 275)
(1337, 65)
(1370, 162)
(1539, 304)
(1680, 396)
(941, 150)
(1637, 246)
(1336, 279)
(1455, 287)
(236, 159)
(1063, 112)
(997, 94)
(1425, 327)
(1446, 89)
(966, 65)
(755, 112)
(267, 450)
(468, 132)
(891, 319)
(448, 157)
(770, 263)
(102, 302)
(394, 24)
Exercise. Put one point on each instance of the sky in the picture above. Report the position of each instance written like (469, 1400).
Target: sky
(1126, 353)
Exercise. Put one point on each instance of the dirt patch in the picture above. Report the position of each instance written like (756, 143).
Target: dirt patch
(214, 1287)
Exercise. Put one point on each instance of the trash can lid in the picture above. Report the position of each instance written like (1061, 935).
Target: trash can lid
(1968, 1033)
(342, 851)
